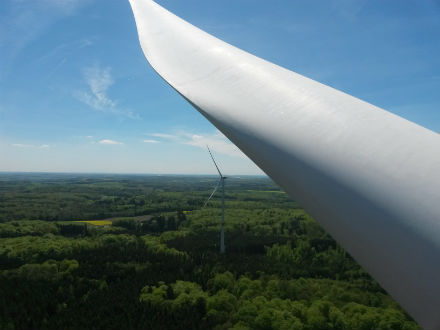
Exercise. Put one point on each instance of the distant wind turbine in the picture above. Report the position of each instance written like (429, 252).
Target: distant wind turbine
(221, 183)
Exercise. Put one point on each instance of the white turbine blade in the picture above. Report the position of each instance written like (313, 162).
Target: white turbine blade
(213, 192)
(212, 157)
(369, 177)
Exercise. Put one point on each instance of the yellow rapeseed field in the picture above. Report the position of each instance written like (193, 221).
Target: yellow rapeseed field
(97, 222)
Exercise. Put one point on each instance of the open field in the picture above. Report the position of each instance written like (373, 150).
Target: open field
(97, 222)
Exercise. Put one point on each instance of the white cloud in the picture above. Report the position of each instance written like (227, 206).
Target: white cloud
(105, 141)
(163, 135)
(21, 145)
(151, 141)
(216, 141)
(99, 81)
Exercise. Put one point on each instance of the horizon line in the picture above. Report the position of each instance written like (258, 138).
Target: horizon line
(125, 173)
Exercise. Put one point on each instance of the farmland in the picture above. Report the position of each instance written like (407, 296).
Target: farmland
(96, 222)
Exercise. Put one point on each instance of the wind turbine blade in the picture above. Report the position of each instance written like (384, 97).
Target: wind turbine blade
(369, 177)
(213, 192)
(212, 157)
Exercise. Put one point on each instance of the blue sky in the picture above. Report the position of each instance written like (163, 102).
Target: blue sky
(77, 95)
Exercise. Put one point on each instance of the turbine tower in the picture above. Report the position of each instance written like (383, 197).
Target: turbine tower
(369, 177)
(221, 183)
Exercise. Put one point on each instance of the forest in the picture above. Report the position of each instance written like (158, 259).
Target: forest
(153, 262)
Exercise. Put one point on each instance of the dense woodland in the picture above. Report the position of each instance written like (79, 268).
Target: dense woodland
(157, 265)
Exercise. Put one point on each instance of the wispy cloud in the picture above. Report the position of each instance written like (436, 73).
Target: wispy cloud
(99, 80)
(60, 50)
(216, 141)
(150, 141)
(31, 146)
(25, 20)
(110, 142)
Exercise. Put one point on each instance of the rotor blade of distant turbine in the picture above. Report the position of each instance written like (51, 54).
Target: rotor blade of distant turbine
(212, 157)
(369, 177)
(213, 192)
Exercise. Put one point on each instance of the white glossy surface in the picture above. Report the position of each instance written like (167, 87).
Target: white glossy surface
(369, 177)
